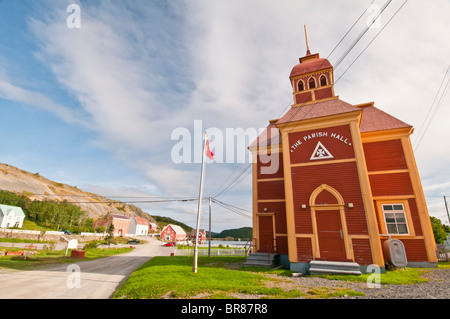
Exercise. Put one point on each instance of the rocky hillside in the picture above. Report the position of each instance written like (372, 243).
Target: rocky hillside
(37, 187)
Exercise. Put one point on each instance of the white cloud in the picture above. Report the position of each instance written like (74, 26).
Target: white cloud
(401, 71)
(139, 74)
(112, 69)
(15, 93)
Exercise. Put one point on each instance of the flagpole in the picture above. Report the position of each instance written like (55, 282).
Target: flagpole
(200, 195)
(209, 244)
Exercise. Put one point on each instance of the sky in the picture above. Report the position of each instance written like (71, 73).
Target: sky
(102, 94)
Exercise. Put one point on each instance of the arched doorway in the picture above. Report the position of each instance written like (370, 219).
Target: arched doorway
(330, 240)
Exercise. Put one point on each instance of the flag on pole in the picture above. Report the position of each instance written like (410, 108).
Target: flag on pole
(208, 151)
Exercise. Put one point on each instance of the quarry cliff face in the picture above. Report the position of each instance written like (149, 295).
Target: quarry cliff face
(37, 187)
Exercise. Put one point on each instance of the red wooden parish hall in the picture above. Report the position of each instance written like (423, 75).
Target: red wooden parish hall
(332, 181)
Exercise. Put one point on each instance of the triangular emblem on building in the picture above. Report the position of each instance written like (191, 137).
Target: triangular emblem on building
(320, 152)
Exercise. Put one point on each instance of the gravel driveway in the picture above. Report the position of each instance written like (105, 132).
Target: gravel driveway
(437, 286)
(95, 279)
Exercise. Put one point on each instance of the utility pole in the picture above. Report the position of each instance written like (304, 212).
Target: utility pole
(209, 245)
(446, 207)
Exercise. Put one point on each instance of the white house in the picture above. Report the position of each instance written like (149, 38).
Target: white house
(11, 216)
(138, 226)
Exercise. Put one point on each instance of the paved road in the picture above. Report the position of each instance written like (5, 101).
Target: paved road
(97, 279)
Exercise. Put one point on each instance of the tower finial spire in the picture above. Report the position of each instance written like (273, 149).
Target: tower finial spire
(307, 44)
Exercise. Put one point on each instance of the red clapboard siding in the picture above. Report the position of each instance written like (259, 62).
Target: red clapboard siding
(337, 140)
(323, 93)
(271, 162)
(326, 197)
(303, 222)
(341, 176)
(279, 209)
(271, 190)
(391, 184)
(303, 97)
(362, 251)
(415, 249)
(304, 250)
(383, 156)
(282, 245)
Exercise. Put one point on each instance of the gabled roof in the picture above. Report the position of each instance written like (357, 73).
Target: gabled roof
(119, 216)
(374, 119)
(315, 110)
(6, 210)
(141, 221)
(266, 138)
(299, 113)
(310, 63)
(177, 229)
(194, 231)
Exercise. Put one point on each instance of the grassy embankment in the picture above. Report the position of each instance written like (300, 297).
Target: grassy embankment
(45, 258)
(224, 277)
(217, 278)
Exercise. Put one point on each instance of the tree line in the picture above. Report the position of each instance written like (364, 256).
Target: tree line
(49, 213)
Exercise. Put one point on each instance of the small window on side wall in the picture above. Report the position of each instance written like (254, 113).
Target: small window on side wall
(312, 83)
(395, 219)
(323, 80)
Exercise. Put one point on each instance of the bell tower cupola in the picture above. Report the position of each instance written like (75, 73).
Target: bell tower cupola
(311, 79)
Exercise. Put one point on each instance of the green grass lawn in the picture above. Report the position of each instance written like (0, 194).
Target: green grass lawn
(221, 277)
(30, 225)
(174, 276)
(217, 277)
(400, 276)
(392, 277)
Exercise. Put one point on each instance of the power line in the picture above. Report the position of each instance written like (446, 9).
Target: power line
(342, 39)
(107, 202)
(231, 208)
(313, 105)
(339, 61)
(358, 38)
(131, 202)
(371, 41)
(231, 184)
(337, 45)
(244, 210)
(444, 92)
(292, 100)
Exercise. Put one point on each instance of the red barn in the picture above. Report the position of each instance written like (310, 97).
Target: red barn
(332, 180)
